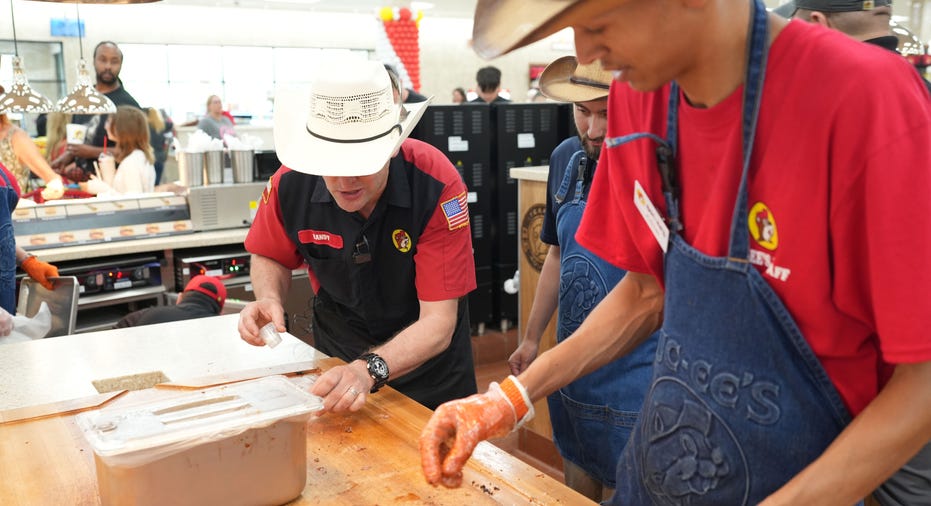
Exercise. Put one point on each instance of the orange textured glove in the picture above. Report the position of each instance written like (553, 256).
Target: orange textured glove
(456, 427)
(40, 271)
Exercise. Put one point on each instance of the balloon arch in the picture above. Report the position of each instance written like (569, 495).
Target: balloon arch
(398, 43)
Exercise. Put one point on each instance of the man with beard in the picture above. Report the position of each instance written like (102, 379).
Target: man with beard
(108, 60)
(575, 281)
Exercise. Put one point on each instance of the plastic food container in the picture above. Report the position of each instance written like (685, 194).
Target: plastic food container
(243, 443)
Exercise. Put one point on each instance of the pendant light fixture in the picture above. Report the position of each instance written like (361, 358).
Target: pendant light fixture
(84, 97)
(21, 97)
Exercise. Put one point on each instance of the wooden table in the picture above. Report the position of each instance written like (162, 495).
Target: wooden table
(365, 458)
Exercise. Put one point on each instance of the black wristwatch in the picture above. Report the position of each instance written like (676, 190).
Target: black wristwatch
(378, 369)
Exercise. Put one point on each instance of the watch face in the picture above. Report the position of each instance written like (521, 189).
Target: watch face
(378, 367)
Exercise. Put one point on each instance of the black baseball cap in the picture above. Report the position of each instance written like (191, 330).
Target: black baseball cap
(787, 10)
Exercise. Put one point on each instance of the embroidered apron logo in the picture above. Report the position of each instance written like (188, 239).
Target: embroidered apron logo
(692, 449)
(401, 240)
(534, 249)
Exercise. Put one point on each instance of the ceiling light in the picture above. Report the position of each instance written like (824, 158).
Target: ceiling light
(84, 97)
(21, 97)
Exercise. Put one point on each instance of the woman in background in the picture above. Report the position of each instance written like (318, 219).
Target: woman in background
(20, 155)
(161, 129)
(56, 134)
(215, 123)
(459, 96)
(135, 172)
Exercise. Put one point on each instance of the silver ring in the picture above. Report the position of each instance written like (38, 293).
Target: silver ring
(353, 391)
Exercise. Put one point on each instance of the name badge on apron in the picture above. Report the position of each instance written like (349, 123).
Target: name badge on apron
(651, 216)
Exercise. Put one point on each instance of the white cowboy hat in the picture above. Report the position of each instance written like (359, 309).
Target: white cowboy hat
(346, 124)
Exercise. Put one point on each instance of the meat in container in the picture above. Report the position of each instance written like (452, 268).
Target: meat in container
(243, 443)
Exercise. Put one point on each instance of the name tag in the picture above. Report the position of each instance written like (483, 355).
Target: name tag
(651, 216)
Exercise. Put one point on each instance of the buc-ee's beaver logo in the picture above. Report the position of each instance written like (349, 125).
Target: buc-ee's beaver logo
(534, 249)
(401, 240)
(762, 226)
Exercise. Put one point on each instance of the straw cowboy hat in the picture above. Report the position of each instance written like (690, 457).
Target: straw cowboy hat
(346, 124)
(504, 25)
(567, 81)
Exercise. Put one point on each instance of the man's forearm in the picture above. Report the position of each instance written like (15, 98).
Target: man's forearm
(625, 318)
(424, 339)
(269, 278)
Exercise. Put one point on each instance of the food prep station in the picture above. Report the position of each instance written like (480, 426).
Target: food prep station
(367, 457)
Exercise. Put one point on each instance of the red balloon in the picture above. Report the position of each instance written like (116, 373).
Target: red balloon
(404, 13)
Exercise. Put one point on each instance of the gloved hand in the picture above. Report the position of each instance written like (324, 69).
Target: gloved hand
(40, 271)
(6, 322)
(54, 189)
(456, 427)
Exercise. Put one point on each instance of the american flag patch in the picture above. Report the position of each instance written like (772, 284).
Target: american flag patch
(456, 211)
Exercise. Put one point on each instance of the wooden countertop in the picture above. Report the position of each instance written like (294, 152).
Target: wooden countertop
(363, 458)
(540, 173)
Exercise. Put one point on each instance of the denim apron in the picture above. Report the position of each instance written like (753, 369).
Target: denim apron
(739, 404)
(593, 416)
(8, 201)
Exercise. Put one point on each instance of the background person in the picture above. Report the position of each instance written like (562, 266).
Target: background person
(19, 154)
(488, 80)
(864, 21)
(382, 223)
(408, 96)
(215, 123)
(593, 416)
(798, 294)
(135, 170)
(161, 131)
(459, 95)
(56, 135)
(108, 61)
(203, 296)
(13, 256)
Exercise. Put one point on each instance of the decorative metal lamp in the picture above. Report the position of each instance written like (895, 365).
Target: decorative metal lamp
(84, 97)
(21, 97)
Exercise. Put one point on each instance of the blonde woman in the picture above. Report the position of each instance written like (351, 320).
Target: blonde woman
(20, 155)
(57, 136)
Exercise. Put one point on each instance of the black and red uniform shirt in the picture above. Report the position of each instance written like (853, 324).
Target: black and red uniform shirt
(369, 274)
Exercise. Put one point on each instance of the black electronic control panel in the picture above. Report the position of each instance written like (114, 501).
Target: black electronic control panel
(115, 274)
(222, 265)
